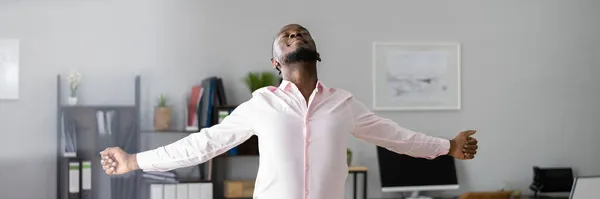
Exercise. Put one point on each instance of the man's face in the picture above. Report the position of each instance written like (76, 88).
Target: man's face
(294, 44)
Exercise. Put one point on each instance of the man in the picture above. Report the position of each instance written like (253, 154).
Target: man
(302, 127)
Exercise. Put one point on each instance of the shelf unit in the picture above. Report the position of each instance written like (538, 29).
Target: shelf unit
(90, 142)
(88, 137)
(219, 163)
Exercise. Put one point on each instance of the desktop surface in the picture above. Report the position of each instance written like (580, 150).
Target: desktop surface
(458, 197)
(442, 197)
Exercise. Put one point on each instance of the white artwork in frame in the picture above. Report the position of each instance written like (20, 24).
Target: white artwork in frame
(416, 76)
(9, 69)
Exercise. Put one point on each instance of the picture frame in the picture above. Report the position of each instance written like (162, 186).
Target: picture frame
(9, 69)
(411, 76)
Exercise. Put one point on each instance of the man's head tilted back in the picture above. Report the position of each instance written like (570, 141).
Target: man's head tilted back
(293, 44)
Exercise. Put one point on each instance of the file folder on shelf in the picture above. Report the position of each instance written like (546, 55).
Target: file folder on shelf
(181, 191)
(170, 191)
(68, 138)
(86, 180)
(200, 190)
(156, 191)
(74, 180)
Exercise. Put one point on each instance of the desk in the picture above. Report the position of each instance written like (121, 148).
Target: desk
(359, 170)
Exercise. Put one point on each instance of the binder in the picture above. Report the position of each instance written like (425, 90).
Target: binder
(68, 138)
(193, 106)
(220, 92)
(110, 115)
(86, 180)
(156, 191)
(74, 179)
(101, 122)
(170, 191)
(200, 190)
(182, 191)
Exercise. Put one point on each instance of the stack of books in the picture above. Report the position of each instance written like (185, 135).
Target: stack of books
(165, 177)
(202, 100)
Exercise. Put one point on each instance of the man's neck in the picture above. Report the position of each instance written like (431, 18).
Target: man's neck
(303, 75)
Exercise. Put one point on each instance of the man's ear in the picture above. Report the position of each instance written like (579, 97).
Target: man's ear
(275, 63)
(318, 57)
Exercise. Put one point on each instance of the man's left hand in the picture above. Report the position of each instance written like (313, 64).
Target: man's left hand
(463, 146)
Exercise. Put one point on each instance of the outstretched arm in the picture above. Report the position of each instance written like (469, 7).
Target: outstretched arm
(388, 134)
(191, 150)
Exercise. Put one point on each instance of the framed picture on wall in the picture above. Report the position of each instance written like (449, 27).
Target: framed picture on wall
(416, 76)
(9, 69)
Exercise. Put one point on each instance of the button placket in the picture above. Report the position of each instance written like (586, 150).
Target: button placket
(306, 158)
(307, 142)
(306, 150)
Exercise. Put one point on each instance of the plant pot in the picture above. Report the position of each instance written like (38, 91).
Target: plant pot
(72, 101)
(349, 159)
(162, 118)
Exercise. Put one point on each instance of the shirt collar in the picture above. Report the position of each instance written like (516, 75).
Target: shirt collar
(285, 84)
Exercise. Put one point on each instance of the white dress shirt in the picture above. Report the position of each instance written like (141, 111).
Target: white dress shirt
(302, 145)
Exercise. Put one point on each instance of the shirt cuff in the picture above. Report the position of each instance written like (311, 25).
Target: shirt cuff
(444, 147)
(144, 160)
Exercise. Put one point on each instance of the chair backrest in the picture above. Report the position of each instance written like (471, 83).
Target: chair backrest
(549, 180)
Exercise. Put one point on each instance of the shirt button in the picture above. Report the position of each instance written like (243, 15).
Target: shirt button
(306, 192)
(307, 167)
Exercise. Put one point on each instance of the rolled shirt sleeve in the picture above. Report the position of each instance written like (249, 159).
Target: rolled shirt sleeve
(200, 147)
(390, 135)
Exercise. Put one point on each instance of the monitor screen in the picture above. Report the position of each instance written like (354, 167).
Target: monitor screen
(397, 171)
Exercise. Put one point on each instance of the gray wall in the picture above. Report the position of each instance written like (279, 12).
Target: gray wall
(529, 71)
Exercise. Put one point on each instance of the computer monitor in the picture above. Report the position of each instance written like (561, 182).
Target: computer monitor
(403, 173)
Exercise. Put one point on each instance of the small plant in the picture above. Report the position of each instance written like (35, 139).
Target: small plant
(74, 81)
(256, 80)
(349, 156)
(162, 101)
(162, 114)
(348, 152)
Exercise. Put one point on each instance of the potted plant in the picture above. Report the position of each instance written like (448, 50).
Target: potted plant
(349, 157)
(74, 81)
(162, 114)
(256, 80)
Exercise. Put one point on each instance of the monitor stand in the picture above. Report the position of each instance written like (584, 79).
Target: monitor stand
(415, 195)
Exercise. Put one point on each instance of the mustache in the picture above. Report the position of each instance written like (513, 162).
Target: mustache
(296, 40)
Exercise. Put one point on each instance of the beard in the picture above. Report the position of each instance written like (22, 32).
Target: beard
(301, 55)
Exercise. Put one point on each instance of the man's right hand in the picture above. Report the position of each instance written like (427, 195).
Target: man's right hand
(116, 161)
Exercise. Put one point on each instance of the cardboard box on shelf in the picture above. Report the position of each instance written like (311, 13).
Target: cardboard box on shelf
(239, 188)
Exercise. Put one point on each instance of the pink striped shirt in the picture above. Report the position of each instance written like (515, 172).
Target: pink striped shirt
(302, 147)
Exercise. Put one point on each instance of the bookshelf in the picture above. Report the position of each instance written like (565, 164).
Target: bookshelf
(79, 125)
(85, 130)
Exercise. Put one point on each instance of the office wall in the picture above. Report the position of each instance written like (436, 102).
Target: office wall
(529, 72)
